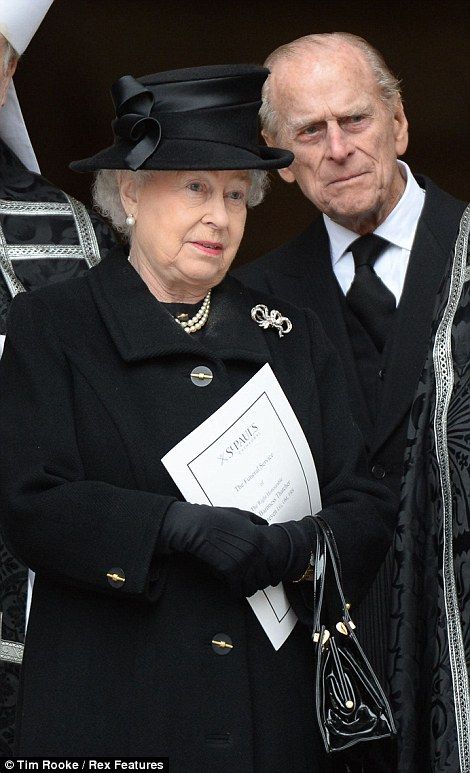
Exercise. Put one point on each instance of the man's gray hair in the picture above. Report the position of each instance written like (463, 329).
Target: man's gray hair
(107, 199)
(389, 85)
(9, 53)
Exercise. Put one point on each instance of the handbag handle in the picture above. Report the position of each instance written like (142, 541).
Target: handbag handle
(327, 548)
(319, 574)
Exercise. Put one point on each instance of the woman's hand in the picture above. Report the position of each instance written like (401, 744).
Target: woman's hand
(237, 545)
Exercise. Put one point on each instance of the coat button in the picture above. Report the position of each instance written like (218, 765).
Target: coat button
(201, 376)
(116, 577)
(378, 471)
(222, 644)
(381, 374)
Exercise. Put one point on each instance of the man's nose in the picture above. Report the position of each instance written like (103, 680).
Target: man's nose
(338, 144)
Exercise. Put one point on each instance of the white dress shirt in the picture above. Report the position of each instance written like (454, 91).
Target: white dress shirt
(398, 228)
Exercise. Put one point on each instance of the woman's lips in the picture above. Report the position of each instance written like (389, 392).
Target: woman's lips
(209, 248)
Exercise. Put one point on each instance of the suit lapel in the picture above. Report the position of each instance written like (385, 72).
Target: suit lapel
(428, 259)
(307, 279)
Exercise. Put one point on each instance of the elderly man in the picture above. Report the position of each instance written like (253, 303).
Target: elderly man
(45, 236)
(371, 265)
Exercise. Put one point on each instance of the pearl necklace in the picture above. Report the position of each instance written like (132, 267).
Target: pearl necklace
(199, 320)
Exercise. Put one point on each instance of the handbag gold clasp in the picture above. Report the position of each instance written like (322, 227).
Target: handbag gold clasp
(326, 636)
(345, 627)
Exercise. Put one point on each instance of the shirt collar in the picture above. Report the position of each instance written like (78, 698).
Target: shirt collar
(398, 228)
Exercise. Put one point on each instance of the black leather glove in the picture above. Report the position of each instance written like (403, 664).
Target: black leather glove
(236, 544)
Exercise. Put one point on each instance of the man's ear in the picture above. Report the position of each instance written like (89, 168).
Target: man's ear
(5, 80)
(287, 175)
(272, 142)
(400, 129)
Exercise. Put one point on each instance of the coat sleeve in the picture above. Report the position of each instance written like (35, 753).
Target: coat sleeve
(59, 524)
(360, 511)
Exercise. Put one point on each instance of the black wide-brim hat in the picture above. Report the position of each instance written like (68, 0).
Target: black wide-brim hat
(193, 118)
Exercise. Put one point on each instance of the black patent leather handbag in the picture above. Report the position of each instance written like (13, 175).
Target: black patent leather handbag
(350, 703)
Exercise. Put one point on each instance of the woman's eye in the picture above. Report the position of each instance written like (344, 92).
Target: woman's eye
(195, 187)
(238, 198)
(236, 195)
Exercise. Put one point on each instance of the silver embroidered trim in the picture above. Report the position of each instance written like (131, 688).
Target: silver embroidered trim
(10, 651)
(11, 280)
(38, 251)
(467, 274)
(444, 374)
(86, 232)
(87, 250)
(34, 208)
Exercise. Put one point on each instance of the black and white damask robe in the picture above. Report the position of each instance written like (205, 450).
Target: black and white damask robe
(430, 644)
(45, 236)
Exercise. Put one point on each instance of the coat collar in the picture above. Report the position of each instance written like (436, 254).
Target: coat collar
(141, 327)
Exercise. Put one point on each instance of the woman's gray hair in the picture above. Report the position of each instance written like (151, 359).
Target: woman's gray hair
(389, 85)
(107, 198)
(9, 53)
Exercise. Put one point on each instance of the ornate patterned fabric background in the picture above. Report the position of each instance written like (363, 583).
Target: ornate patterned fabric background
(424, 692)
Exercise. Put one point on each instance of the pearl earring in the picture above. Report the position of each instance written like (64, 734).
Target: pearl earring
(130, 220)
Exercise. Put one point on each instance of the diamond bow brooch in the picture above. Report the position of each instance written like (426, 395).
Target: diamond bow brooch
(274, 318)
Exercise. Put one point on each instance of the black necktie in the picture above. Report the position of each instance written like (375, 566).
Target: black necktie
(368, 297)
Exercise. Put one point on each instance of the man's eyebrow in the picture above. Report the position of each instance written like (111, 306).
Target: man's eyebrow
(303, 122)
(363, 109)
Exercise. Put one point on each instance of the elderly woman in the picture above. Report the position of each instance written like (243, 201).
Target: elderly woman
(134, 586)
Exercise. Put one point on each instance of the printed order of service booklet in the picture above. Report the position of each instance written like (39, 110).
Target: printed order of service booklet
(252, 454)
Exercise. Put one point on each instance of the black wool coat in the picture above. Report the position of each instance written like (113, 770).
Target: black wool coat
(98, 390)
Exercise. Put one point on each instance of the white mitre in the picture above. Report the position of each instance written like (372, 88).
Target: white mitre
(19, 20)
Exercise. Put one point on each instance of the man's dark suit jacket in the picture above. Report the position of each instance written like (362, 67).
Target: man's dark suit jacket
(300, 271)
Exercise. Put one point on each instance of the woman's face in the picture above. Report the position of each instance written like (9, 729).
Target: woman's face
(188, 228)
